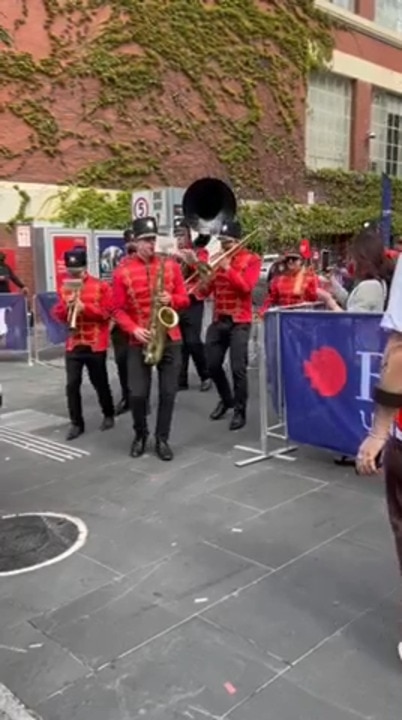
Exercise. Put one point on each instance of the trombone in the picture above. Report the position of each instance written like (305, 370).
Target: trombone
(205, 271)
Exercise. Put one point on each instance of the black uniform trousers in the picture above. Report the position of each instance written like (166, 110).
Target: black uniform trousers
(95, 363)
(120, 349)
(139, 381)
(222, 335)
(192, 345)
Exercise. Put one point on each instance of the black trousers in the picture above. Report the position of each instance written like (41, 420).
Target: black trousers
(192, 345)
(222, 335)
(95, 363)
(139, 380)
(120, 349)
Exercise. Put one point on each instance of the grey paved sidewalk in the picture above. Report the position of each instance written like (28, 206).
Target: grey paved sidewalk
(204, 590)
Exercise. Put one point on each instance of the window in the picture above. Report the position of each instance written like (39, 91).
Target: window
(388, 13)
(345, 4)
(386, 123)
(328, 121)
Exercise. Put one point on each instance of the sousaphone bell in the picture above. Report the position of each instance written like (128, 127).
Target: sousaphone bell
(207, 204)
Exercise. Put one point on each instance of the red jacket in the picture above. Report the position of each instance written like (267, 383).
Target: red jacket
(287, 290)
(133, 287)
(94, 321)
(202, 256)
(232, 289)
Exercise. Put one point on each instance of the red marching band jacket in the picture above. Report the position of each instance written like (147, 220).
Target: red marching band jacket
(133, 287)
(94, 321)
(287, 290)
(232, 289)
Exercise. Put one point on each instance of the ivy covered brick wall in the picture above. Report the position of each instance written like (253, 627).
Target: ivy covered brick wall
(128, 93)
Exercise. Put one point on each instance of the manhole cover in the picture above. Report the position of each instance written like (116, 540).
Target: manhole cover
(33, 540)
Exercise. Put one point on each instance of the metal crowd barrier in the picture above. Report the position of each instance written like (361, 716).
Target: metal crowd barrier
(15, 330)
(272, 410)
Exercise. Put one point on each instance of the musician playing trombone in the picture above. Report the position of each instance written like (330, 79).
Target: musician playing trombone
(231, 286)
(149, 284)
(85, 303)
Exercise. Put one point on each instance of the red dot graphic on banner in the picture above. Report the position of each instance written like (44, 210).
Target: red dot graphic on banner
(327, 372)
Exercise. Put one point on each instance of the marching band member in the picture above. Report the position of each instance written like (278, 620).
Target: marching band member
(118, 337)
(191, 318)
(136, 294)
(294, 286)
(231, 288)
(88, 340)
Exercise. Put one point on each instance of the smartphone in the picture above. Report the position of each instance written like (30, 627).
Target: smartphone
(324, 261)
(379, 461)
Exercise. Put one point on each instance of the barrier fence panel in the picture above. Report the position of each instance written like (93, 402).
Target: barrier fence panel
(49, 335)
(330, 364)
(15, 336)
(272, 405)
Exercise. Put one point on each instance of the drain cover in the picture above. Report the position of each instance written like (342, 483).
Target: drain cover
(32, 540)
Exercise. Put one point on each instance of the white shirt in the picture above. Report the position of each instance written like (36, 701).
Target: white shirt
(392, 318)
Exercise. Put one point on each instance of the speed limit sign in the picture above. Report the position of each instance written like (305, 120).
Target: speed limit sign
(140, 207)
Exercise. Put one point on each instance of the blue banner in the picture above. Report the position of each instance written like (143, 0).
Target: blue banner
(14, 326)
(271, 340)
(110, 252)
(330, 364)
(56, 332)
(386, 209)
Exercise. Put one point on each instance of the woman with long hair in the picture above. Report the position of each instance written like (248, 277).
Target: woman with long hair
(372, 272)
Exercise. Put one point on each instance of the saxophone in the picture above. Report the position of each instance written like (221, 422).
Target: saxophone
(162, 319)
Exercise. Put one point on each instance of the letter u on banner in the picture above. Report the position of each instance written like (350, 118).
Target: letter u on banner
(13, 323)
(323, 358)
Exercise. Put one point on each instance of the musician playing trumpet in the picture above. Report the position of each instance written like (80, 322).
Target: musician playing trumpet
(191, 318)
(146, 289)
(85, 304)
(231, 286)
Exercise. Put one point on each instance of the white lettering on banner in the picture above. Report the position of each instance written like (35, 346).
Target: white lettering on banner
(366, 419)
(370, 364)
(3, 321)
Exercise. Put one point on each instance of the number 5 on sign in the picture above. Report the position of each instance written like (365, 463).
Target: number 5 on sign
(140, 207)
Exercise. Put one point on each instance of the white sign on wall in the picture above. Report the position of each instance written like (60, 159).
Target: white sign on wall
(141, 204)
(24, 235)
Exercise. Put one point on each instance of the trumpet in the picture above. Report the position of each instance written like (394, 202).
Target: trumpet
(205, 271)
(73, 286)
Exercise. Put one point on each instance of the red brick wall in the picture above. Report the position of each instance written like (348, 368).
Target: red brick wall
(24, 258)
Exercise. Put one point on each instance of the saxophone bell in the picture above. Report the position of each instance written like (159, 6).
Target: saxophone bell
(168, 317)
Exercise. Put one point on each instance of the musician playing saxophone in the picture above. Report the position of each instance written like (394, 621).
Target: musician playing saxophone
(87, 343)
(231, 288)
(136, 295)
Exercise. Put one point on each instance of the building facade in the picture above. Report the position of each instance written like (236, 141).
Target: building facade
(354, 111)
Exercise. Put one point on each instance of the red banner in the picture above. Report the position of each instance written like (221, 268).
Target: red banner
(61, 244)
(11, 261)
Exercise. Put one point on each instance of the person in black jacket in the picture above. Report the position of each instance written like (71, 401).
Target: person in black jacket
(8, 276)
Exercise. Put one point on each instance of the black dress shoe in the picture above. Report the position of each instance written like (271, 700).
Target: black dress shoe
(205, 385)
(74, 432)
(163, 450)
(238, 420)
(220, 411)
(122, 407)
(138, 446)
(107, 423)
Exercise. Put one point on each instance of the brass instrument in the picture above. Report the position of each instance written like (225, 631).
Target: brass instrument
(206, 271)
(74, 286)
(163, 318)
(207, 204)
